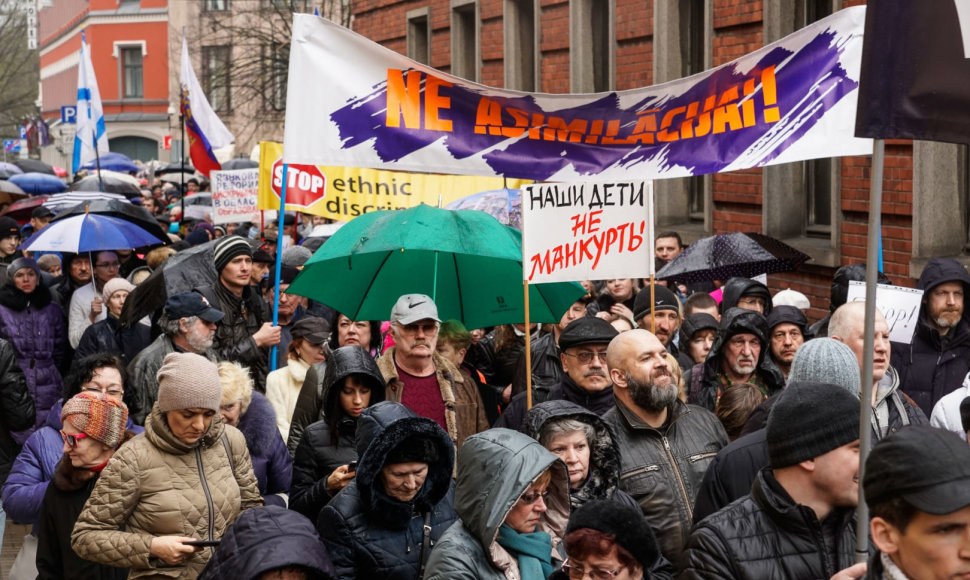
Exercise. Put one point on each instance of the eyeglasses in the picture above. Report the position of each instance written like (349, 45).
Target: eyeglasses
(531, 497)
(414, 328)
(587, 357)
(108, 265)
(72, 440)
(578, 573)
(115, 392)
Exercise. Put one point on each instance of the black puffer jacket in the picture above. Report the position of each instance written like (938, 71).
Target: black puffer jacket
(730, 475)
(328, 444)
(932, 365)
(371, 535)
(701, 380)
(16, 407)
(666, 489)
(766, 536)
(598, 402)
(233, 340)
(106, 336)
(264, 539)
(546, 366)
(735, 288)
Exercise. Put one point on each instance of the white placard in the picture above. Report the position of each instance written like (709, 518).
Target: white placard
(898, 304)
(587, 231)
(234, 196)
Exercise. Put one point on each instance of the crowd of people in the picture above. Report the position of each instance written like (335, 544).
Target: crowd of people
(694, 431)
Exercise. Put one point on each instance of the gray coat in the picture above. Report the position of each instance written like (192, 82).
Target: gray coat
(494, 469)
(143, 371)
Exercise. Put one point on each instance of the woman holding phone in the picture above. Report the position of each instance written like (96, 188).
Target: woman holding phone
(186, 480)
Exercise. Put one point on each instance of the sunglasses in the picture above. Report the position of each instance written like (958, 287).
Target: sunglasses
(72, 440)
(531, 497)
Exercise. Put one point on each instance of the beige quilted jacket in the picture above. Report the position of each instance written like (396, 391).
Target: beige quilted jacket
(156, 485)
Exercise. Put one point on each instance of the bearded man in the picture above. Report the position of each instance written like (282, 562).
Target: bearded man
(667, 444)
(188, 324)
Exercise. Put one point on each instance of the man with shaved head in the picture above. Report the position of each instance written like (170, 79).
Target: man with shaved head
(667, 444)
(891, 408)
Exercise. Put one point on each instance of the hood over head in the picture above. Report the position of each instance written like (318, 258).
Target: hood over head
(380, 429)
(787, 314)
(693, 323)
(735, 288)
(738, 321)
(346, 361)
(495, 468)
(939, 271)
(604, 452)
(266, 538)
(840, 283)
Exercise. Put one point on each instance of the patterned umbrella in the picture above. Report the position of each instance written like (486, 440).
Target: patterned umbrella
(726, 255)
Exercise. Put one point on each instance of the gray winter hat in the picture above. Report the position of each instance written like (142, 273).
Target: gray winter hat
(826, 360)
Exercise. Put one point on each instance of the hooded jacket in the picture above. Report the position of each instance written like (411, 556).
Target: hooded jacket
(316, 455)
(735, 288)
(603, 478)
(662, 467)
(934, 365)
(158, 485)
(371, 535)
(16, 407)
(703, 385)
(34, 325)
(767, 536)
(264, 539)
(469, 549)
(272, 464)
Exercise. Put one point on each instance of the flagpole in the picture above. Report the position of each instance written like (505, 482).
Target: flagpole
(868, 344)
(279, 262)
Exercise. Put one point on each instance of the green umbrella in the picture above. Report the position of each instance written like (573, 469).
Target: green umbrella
(468, 262)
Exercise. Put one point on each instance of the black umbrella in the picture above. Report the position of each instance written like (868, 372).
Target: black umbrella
(119, 209)
(240, 163)
(726, 255)
(107, 184)
(34, 166)
(188, 269)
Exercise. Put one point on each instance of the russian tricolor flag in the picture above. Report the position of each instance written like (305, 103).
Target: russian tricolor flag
(204, 129)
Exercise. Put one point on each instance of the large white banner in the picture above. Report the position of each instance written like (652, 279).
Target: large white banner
(352, 102)
(587, 231)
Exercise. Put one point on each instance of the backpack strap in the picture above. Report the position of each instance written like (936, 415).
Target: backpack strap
(426, 543)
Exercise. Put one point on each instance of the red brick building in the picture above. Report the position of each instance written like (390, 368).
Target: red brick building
(129, 42)
(820, 207)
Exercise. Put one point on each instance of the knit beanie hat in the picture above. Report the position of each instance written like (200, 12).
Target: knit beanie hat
(188, 381)
(810, 419)
(20, 264)
(826, 360)
(97, 416)
(418, 448)
(8, 227)
(114, 285)
(663, 298)
(228, 248)
(625, 523)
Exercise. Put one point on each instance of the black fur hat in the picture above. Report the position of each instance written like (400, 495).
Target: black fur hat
(624, 522)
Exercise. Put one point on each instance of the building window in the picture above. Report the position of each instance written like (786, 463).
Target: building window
(275, 64)
(694, 30)
(419, 35)
(521, 50)
(591, 46)
(131, 73)
(215, 5)
(216, 77)
(465, 55)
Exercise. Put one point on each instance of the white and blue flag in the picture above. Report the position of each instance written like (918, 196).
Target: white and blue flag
(91, 139)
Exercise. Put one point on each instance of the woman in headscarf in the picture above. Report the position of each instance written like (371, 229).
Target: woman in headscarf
(512, 497)
(186, 480)
(322, 466)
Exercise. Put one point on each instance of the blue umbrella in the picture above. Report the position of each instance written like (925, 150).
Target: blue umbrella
(114, 162)
(90, 232)
(37, 183)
